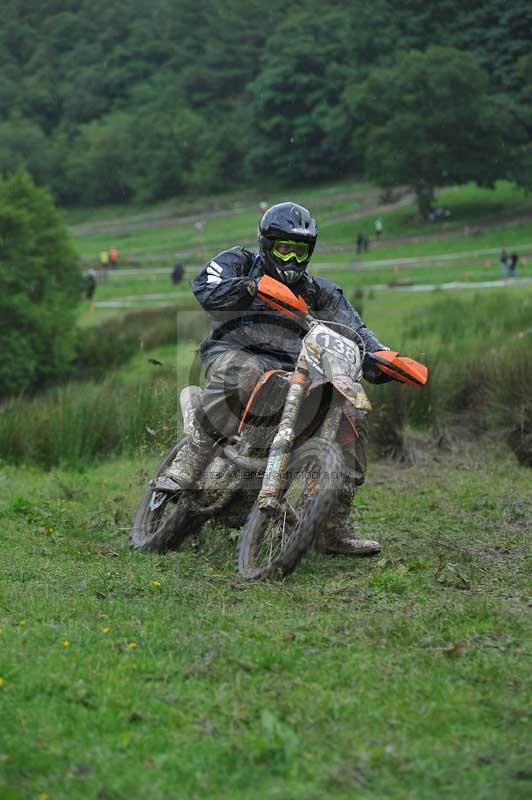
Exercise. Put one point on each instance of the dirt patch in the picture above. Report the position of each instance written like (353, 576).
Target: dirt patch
(169, 221)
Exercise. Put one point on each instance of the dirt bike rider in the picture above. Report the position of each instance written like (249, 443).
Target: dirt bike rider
(248, 338)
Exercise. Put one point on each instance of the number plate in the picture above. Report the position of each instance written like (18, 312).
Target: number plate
(337, 345)
(330, 353)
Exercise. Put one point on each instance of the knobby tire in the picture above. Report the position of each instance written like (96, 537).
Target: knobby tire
(323, 464)
(151, 529)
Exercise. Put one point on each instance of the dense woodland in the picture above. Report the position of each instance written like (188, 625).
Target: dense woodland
(146, 99)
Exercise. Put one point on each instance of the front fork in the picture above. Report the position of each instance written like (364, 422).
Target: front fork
(331, 423)
(284, 438)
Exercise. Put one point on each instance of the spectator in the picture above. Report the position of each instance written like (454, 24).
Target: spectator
(365, 244)
(104, 264)
(177, 274)
(512, 265)
(378, 229)
(90, 284)
(503, 264)
(360, 242)
(113, 257)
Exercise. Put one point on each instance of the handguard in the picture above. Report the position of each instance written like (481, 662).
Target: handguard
(279, 297)
(401, 368)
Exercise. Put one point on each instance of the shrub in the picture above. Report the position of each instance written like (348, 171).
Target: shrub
(508, 397)
(40, 284)
(478, 356)
(77, 424)
(111, 344)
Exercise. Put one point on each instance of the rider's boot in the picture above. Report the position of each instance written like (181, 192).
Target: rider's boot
(189, 463)
(343, 540)
(338, 536)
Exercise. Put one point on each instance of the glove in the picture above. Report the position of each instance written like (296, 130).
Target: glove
(252, 286)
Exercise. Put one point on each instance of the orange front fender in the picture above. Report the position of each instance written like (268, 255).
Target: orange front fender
(348, 388)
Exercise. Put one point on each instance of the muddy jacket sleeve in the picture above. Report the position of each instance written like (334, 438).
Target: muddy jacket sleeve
(327, 301)
(223, 286)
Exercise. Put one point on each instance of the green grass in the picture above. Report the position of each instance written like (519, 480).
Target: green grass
(136, 294)
(219, 232)
(322, 195)
(77, 424)
(385, 278)
(156, 677)
(139, 676)
(471, 342)
(394, 315)
(469, 206)
(509, 236)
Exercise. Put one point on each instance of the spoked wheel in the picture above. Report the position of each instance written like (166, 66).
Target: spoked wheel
(162, 521)
(273, 544)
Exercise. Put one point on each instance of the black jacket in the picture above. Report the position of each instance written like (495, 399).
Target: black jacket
(241, 321)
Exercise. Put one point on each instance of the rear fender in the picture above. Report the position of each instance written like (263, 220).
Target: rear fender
(256, 392)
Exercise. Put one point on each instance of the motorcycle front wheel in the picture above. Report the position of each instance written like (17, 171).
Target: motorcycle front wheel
(273, 544)
(162, 521)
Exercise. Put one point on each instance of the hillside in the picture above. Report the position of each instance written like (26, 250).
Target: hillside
(141, 100)
(126, 675)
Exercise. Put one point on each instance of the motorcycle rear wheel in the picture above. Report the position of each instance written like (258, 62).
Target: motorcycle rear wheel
(162, 521)
(272, 545)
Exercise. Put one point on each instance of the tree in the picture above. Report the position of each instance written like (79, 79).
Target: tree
(100, 166)
(430, 121)
(23, 146)
(169, 146)
(272, 89)
(299, 123)
(40, 285)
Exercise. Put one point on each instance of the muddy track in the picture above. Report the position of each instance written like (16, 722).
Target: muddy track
(204, 251)
(152, 220)
(405, 199)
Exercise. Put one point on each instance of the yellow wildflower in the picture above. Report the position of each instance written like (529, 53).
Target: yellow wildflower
(132, 645)
(2, 681)
(156, 583)
(106, 630)
(65, 643)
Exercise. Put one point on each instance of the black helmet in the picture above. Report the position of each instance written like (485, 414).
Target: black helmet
(287, 237)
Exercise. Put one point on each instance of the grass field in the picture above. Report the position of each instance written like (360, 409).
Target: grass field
(148, 290)
(127, 676)
(469, 207)
(409, 253)
(407, 676)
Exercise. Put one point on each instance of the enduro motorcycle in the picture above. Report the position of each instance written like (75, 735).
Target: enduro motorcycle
(286, 461)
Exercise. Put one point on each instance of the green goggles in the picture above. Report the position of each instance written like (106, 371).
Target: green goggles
(287, 250)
